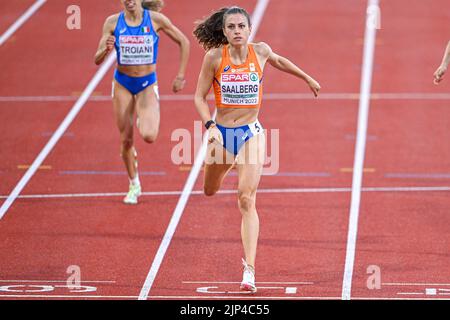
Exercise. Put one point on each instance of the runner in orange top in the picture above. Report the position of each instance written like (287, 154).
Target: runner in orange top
(235, 68)
(238, 86)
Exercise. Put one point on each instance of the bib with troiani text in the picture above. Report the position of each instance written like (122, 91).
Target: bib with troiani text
(136, 50)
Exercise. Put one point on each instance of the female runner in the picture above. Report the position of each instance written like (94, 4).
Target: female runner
(234, 67)
(134, 35)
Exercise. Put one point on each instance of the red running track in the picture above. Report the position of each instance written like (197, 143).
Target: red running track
(407, 234)
(303, 237)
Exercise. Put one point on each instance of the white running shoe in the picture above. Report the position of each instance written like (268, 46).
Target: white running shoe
(248, 278)
(133, 194)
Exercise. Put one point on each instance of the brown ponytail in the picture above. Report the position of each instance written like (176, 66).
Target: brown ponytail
(153, 5)
(209, 32)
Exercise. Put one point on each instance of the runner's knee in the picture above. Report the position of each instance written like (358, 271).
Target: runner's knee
(246, 202)
(150, 138)
(126, 145)
(209, 190)
(149, 135)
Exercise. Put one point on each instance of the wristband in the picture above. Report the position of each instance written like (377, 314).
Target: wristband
(209, 124)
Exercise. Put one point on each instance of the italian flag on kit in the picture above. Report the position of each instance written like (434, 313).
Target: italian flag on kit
(238, 86)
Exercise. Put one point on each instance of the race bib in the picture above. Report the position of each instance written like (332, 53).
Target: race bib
(136, 50)
(240, 88)
(256, 128)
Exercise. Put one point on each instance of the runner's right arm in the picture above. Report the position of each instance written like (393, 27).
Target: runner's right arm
(204, 84)
(107, 41)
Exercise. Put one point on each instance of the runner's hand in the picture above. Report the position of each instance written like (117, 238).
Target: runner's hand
(314, 86)
(214, 134)
(110, 43)
(178, 84)
(438, 74)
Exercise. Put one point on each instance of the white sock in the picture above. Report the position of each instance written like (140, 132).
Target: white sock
(135, 181)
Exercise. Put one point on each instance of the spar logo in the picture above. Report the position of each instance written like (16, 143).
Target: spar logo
(236, 77)
(240, 77)
(132, 40)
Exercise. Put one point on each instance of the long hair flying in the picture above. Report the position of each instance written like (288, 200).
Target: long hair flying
(209, 31)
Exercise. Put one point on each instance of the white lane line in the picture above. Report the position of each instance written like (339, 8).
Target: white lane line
(247, 297)
(19, 22)
(176, 217)
(95, 195)
(39, 296)
(203, 297)
(199, 192)
(405, 189)
(257, 17)
(415, 284)
(411, 293)
(363, 115)
(410, 96)
(237, 282)
(52, 281)
(193, 175)
(58, 134)
(267, 96)
(393, 298)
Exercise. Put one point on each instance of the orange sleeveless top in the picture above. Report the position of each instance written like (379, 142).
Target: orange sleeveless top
(238, 86)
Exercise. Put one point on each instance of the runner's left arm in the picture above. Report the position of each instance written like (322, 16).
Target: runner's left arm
(442, 69)
(285, 65)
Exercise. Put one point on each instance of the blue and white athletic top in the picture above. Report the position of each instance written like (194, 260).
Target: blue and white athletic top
(136, 45)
